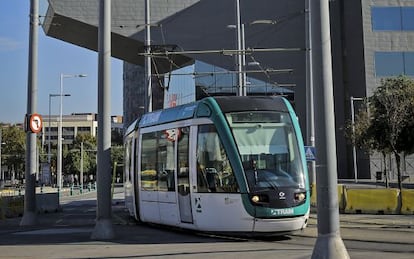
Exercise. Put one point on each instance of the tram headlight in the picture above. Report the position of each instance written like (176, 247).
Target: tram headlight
(300, 196)
(255, 198)
(259, 199)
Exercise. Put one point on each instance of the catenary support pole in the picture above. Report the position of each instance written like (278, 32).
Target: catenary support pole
(329, 243)
(310, 106)
(239, 49)
(148, 68)
(30, 214)
(103, 228)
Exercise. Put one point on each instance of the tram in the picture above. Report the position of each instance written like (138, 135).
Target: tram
(221, 164)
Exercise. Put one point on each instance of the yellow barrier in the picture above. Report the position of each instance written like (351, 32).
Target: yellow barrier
(341, 196)
(407, 206)
(372, 201)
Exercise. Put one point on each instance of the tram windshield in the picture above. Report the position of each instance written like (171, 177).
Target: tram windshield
(268, 147)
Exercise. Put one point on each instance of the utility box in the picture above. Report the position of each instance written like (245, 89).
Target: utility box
(47, 202)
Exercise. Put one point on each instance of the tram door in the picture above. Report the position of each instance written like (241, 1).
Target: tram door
(183, 176)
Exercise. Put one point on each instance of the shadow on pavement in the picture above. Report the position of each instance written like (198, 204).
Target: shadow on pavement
(76, 221)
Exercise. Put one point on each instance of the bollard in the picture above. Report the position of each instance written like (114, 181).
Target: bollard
(89, 187)
(71, 190)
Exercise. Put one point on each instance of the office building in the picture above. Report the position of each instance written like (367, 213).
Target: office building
(370, 40)
(73, 125)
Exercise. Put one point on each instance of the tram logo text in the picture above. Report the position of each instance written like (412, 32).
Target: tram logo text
(280, 212)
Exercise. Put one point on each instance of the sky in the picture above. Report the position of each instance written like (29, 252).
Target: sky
(55, 57)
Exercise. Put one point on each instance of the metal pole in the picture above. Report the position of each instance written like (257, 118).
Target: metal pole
(239, 49)
(59, 142)
(81, 168)
(148, 70)
(49, 155)
(48, 137)
(329, 243)
(60, 137)
(354, 153)
(30, 212)
(353, 145)
(244, 78)
(310, 117)
(104, 229)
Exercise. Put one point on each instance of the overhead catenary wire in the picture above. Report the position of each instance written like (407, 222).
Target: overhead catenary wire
(222, 51)
(276, 71)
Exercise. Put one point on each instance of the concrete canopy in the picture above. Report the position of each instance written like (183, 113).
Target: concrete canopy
(76, 22)
(191, 25)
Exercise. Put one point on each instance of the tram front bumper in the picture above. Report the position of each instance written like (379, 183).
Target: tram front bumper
(280, 225)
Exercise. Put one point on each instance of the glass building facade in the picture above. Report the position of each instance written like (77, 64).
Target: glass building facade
(200, 79)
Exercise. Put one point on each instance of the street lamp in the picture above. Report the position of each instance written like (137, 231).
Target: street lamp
(1, 168)
(240, 59)
(59, 156)
(353, 132)
(48, 137)
(272, 22)
(241, 48)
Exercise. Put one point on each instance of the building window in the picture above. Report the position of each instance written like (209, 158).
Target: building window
(409, 63)
(392, 18)
(407, 18)
(394, 63)
(389, 63)
(84, 129)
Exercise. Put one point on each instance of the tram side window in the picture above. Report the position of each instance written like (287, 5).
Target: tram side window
(127, 158)
(148, 161)
(214, 172)
(165, 165)
(157, 162)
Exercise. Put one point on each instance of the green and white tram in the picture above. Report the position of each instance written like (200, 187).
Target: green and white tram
(221, 164)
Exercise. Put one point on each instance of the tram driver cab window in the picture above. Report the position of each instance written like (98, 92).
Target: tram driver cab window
(214, 172)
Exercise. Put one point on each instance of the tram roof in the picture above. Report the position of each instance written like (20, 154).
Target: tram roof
(251, 103)
(225, 103)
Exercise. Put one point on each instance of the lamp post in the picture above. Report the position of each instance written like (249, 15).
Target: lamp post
(240, 49)
(49, 155)
(59, 156)
(1, 168)
(148, 70)
(353, 132)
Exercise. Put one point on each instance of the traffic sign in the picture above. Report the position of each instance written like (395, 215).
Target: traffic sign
(35, 123)
(310, 153)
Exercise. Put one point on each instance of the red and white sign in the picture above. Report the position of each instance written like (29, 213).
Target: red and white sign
(172, 134)
(35, 123)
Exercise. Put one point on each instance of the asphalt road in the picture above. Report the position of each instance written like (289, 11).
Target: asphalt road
(66, 234)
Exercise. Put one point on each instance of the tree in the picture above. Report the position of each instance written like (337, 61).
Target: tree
(73, 155)
(117, 138)
(388, 125)
(117, 159)
(392, 106)
(14, 149)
